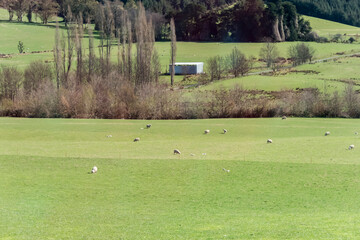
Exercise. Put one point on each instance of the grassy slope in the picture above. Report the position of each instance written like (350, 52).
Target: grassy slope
(327, 28)
(303, 186)
(328, 79)
(37, 37)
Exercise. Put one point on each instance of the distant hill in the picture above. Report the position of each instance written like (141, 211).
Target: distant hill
(336, 10)
(327, 28)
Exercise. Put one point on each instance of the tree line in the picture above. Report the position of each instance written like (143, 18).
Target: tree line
(246, 20)
(347, 12)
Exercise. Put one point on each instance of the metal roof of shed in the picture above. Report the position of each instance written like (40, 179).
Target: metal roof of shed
(188, 63)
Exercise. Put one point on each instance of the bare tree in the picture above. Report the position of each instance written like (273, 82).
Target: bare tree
(10, 81)
(144, 48)
(57, 55)
(91, 52)
(215, 67)
(301, 53)
(236, 62)
(79, 31)
(36, 74)
(129, 49)
(173, 49)
(68, 52)
(109, 32)
(269, 53)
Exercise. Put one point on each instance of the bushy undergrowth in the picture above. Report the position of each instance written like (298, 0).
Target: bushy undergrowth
(112, 96)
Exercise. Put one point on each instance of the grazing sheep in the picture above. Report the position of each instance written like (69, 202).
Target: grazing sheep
(327, 133)
(352, 146)
(226, 170)
(136, 139)
(176, 151)
(207, 131)
(109, 136)
(225, 131)
(283, 117)
(94, 169)
(269, 141)
(148, 126)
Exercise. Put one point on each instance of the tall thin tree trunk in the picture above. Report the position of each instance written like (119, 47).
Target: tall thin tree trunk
(276, 32)
(173, 49)
(91, 51)
(57, 55)
(281, 26)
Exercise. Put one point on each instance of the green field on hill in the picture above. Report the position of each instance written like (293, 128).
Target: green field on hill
(38, 37)
(302, 186)
(326, 28)
(327, 77)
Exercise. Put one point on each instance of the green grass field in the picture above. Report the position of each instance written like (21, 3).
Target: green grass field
(328, 76)
(327, 28)
(303, 186)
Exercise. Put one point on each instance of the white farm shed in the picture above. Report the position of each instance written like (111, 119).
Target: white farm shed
(182, 68)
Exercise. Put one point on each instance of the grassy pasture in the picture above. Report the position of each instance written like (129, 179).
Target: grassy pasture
(38, 37)
(326, 28)
(303, 186)
(330, 76)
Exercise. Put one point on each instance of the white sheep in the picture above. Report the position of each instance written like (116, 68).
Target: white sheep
(225, 131)
(176, 151)
(94, 169)
(269, 141)
(136, 139)
(283, 117)
(207, 131)
(226, 170)
(109, 136)
(327, 133)
(352, 146)
(148, 126)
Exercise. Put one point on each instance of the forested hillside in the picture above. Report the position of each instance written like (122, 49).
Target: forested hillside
(199, 20)
(336, 10)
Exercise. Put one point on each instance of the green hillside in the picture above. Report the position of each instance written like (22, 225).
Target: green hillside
(328, 28)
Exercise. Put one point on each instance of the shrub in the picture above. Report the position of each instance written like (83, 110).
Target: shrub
(215, 67)
(21, 47)
(301, 53)
(36, 74)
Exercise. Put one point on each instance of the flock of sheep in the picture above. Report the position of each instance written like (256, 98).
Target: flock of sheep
(207, 131)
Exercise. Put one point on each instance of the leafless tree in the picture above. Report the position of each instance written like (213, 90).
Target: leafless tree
(10, 82)
(57, 56)
(91, 60)
(79, 32)
(215, 67)
(173, 49)
(235, 62)
(144, 48)
(301, 53)
(36, 74)
(269, 53)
